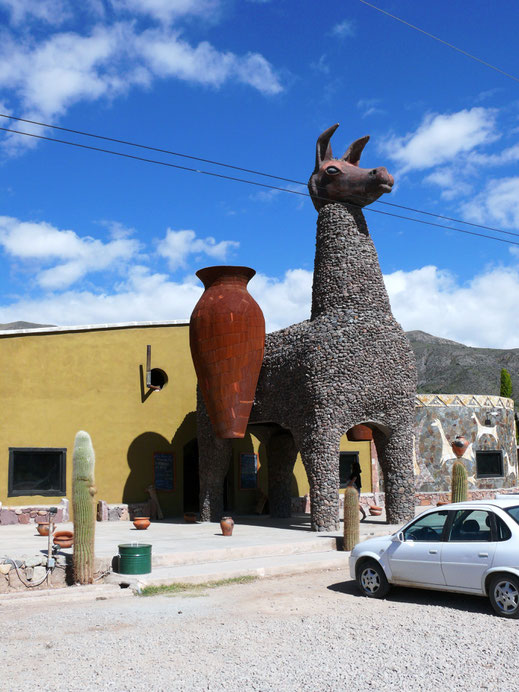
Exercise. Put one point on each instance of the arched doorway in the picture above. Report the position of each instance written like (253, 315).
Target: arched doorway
(191, 477)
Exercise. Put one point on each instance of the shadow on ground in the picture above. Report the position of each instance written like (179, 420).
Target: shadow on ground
(442, 599)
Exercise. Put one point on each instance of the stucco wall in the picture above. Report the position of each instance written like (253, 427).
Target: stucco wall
(440, 417)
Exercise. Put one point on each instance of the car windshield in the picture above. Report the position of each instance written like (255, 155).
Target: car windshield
(513, 512)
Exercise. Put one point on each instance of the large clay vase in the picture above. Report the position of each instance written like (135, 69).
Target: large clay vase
(227, 339)
(459, 446)
(360, 433)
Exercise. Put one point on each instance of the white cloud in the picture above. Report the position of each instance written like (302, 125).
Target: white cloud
(71, 256)
(443, 137)
(498, 204)
(50, 11)
(344, 29)
(451, 180)
(283, 301)
(481, 312)
(167, 10)
(178, 245)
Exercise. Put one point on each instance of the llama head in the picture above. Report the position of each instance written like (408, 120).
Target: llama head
(341, 180)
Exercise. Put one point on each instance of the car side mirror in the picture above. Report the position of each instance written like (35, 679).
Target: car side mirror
(398, 537)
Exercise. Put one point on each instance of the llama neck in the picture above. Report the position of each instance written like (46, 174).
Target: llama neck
(347, 276)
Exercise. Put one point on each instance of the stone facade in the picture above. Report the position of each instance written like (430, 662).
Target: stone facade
(14, 514)
(487, 422)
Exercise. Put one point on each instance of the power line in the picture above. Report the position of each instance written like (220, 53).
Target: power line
(445, 43)
(240, 168)
(248, 182)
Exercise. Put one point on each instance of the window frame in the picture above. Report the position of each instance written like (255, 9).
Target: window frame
(487, 452)
(61, 491)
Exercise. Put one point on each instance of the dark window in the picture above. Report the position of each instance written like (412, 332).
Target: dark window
(513, 512)
(503, 533)
(37, 471)
(489, 463)
(471, 525)
(427, 528)
(346, 460)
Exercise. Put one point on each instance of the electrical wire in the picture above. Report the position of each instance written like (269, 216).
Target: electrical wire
(240, 168)
(445, 43)
(249, 182)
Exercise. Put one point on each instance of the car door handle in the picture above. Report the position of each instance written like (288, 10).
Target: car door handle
(483, 555)
(433, 552)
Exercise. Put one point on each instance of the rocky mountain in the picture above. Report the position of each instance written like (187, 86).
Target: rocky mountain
(22, 325)
(451, 368)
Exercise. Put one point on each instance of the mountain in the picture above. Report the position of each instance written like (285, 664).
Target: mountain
(22, 325)
(448, 367)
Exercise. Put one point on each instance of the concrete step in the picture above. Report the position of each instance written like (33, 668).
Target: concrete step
(90, 592)
(241, 552)
(259, 566)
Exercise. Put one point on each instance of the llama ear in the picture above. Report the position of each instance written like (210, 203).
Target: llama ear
(323, 150)
(354, 151)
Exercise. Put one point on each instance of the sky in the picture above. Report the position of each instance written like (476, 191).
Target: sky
(89, 238)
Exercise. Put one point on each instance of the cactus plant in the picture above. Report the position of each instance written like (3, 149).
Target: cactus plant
(459, 487)
(83, 491)
(351, 518)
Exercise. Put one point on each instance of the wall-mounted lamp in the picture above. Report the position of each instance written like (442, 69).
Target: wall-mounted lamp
(156, 379)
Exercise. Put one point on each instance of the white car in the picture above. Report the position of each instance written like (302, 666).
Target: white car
(466, 547)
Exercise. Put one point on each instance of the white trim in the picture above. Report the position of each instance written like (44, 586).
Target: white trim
(89, 327)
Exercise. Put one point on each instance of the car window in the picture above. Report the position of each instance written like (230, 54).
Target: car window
(503, 532)
(471, 525)
(513, 512)
(427, 528)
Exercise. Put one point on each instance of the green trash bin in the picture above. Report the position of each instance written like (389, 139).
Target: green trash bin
(134, 558)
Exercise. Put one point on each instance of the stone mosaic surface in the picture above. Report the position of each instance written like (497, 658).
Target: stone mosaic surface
(486, 421)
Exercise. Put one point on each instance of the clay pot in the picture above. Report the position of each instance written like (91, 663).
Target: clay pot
(459, 446)
(227, 339)
(227, 525)
(43, 528)
(360, 433)
(442, 502)
(64, 539)
(375, 511)
(190, 517)
(141, 523)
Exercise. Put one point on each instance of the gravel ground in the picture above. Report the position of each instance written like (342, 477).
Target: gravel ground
(308, 632)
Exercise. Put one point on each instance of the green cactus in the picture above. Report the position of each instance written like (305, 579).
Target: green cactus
(351, 518)
(83, 504)
(459, 488)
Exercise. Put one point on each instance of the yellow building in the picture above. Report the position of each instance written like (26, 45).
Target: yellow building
(56, 381)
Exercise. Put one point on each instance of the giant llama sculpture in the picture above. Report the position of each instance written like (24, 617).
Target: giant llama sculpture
(349, 363)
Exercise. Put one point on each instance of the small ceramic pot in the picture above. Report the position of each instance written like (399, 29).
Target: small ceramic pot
(375, 511)
(227, 525)
(190, 517)
(43, 528)
(64, 539)
(460, 445)
(141, 523)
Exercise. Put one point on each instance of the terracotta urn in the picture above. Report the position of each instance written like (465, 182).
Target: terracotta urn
(375, 511)
(227, 339)
(64, 539)
(459, 446)
(190, 517)
(141, 523)
(43, 528)
(360, 433)
(227, 525)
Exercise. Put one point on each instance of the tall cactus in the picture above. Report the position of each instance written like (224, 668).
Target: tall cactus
(83, 491)
(459, 487)
(351, 518)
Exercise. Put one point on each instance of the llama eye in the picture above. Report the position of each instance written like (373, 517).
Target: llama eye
(332, 170)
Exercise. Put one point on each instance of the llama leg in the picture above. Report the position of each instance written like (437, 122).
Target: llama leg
(282, 453)
(321, 461)
(214, 456)
(395, 454)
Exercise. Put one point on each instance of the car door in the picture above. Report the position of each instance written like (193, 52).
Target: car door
(469, 549)
(417, 559)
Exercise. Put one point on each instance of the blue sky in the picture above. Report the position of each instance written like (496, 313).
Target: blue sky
(89, 238)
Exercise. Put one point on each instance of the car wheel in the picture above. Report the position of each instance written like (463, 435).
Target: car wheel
(504, 595)
(372, 580)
